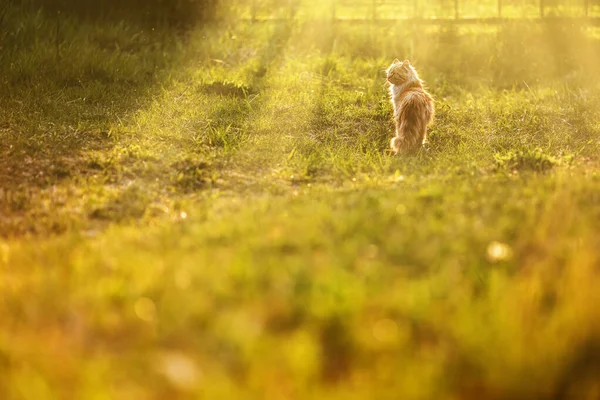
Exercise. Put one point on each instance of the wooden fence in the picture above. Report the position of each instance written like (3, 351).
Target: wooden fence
(426, 11)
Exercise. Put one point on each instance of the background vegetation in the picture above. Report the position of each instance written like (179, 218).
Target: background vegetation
(173, 13)
(213, 214)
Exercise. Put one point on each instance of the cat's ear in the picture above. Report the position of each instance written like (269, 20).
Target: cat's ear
(405, 62)
(396, 61)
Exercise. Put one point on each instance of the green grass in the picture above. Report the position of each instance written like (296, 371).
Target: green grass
(216, 215)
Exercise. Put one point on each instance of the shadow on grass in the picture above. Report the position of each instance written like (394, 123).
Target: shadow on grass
(69, 85)
(66, 86)
(224, 88)
(63, 101)
(350, 116)
(237, 102)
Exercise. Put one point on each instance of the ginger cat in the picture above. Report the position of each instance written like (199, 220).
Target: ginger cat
(413, 107)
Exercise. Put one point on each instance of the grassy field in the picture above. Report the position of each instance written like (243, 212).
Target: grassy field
(216, 215)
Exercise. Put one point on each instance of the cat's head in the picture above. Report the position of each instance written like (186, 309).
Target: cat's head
(399, 72)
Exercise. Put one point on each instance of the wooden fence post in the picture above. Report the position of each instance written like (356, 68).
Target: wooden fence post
(456, 9)
(253, 10)
(542, 8)
(499, 8)
(333, 10)
(58, 35)
(374, 10)
(586, 5)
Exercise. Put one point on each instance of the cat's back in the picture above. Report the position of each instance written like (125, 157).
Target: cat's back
(415, 103)
(415, 94)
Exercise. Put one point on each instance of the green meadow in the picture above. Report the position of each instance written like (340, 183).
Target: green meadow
(215, 214)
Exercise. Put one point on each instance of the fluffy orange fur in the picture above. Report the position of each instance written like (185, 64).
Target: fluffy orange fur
(413, 107)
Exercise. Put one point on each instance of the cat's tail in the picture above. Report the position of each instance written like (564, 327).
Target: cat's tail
(412, 124)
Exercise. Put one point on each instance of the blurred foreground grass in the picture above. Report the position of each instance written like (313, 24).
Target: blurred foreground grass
(216, 216)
